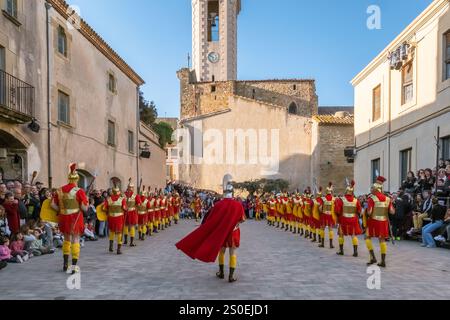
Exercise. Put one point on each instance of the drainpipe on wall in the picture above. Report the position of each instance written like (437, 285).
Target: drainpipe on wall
(389, 129)
(48, 7)
(138, 121)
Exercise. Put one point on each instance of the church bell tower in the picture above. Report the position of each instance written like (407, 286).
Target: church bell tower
(214, 39)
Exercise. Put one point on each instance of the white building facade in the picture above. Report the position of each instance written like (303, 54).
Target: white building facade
(401, 99)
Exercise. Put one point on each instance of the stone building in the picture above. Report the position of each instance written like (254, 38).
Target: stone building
(244, 130)
(80, 97)
(172, 153)
(401, 98)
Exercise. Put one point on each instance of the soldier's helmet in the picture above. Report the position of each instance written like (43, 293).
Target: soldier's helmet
(351, 188)
(330, 188)
(73, 174)
(378, 185)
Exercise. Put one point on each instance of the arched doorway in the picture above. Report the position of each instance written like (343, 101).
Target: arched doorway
(13, 157)
(293, 109)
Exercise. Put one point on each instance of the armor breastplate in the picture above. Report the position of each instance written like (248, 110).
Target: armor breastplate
(307, 210)
(157, 204)
(131, 203)
(115, 207)
(272, 204)
(327, 205)
(152, 205)
(349, 208)
(381, 209)
(69, 202)
(142, 208)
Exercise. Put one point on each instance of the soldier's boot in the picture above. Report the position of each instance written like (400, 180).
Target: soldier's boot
(119, 249)
(331, 244)
(382, 264)
(132, 244)
(74, 266)
(231, 277)
(66, 262)
(373, 259)
(322, 243)
(221, 273)
(125, 240)
(341, 250)
(111, 245)
(355, 251)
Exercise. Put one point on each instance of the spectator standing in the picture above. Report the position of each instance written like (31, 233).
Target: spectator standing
(11, 206)
(3, 191)
(402, 208)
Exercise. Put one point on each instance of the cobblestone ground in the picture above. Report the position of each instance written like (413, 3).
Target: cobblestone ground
(272, 264)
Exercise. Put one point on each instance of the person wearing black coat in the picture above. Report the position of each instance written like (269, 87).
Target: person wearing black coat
(403, 208)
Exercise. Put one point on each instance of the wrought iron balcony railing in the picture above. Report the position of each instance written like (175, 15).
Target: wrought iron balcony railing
(16, 98)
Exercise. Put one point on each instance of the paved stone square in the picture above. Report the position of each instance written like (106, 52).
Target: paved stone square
(272, 264)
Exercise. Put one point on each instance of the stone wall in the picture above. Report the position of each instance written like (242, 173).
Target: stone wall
(333, 165)
(282, 93)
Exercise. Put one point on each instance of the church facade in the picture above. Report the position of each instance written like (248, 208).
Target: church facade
(234, 130)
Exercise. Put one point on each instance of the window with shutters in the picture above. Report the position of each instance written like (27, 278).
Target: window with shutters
(62, 41)
(11, 8)
(63, 108)
(376, 103)
(407, 83)
(111, 133)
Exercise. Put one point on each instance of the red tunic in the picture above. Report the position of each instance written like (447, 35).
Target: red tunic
(115, 224)
(143, 218)
(349, 226)
(131, 217)
(72, 223)
(376, 228)
(219, 230)
(327, 220)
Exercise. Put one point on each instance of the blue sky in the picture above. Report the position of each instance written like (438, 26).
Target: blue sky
(325, 40)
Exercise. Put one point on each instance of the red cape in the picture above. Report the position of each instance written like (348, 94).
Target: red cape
(205, 242)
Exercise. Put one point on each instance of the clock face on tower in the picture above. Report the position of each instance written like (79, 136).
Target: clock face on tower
(213, 57)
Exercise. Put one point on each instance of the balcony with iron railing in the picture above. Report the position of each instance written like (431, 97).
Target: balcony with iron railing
(16, 99)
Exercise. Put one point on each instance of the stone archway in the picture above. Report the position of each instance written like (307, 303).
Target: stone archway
(293, 108)
(13, 156)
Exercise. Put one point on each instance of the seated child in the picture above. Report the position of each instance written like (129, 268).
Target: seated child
(5, 252)
(18, 247)
(33, 243)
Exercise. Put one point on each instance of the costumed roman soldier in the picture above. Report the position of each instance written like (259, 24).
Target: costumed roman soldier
(378, 210)
(272, 210)
(258, 207)
(152, 225)
(163, 210)
(327, 217)
(295, 212)
(315, 217)
(176, 207)
(131, 216)
(70, 202)
(115, 206)
(348, 210)
(307, 213)
(197, 207)
(143, 212)
(289, 217)
(280, 211)
(158, 211)
(219, 232)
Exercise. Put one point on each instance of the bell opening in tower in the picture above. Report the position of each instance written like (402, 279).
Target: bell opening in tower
(213, 21)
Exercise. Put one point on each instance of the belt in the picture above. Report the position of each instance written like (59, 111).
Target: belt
(349, 215)
(151, 210)
(68, 212)
(142, 213)
(115, 214)
(328, 213)
(378, 218)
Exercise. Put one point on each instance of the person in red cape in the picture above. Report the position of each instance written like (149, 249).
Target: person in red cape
(348, 209)
(219, 232)
(379, 206)
(70, 202)
(115, 206)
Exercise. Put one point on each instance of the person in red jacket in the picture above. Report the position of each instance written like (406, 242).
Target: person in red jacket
(11, 206)
(348, 209)
(379, 206)
(70, 201)
(219, 232)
